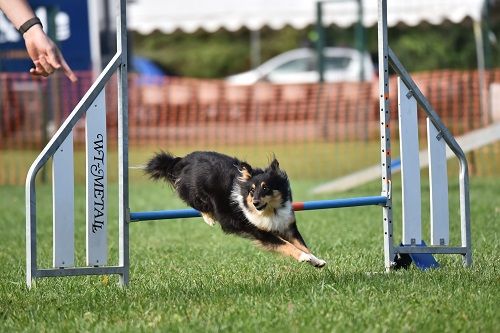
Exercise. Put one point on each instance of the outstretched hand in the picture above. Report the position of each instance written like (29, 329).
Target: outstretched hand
(45, 54)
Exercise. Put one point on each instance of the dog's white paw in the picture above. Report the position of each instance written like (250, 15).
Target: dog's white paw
(312, 260)
(319, 263)
(208, 219)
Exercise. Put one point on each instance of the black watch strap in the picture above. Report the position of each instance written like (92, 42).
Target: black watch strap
(28, 24)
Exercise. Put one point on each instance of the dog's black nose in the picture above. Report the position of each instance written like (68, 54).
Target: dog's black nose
(259, 205)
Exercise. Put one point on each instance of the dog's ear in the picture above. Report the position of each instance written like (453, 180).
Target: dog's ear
(275, 165)
(246, 172)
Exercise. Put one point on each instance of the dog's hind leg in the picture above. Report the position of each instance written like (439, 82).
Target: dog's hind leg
(209, 219)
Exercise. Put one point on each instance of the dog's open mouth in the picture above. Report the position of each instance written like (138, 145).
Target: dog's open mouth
(261, 207)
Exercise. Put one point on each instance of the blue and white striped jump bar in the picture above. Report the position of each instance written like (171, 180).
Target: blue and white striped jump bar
(297, 206)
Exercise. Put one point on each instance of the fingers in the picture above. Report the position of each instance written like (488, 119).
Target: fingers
(57, 61)
(38, 70)
(67, 71)
(53, 57)
(46, 65)
(42, 67)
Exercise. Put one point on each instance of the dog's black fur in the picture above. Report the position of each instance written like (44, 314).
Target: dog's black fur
(250, 202)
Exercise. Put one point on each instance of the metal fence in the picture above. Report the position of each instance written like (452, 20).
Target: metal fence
(331, 128)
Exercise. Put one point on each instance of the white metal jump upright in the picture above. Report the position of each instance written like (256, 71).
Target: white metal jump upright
(385, 134)
(60, 148)
(438, 136)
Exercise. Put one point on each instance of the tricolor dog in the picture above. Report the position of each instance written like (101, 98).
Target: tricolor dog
(250, 202)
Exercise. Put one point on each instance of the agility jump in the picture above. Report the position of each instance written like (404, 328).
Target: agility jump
(60, 149)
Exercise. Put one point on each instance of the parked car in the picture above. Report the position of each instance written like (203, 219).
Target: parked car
(300, 66)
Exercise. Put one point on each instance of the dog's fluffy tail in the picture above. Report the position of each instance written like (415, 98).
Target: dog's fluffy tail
(161, 166)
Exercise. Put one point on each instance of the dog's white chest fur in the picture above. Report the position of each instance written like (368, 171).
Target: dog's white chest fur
(278, 221)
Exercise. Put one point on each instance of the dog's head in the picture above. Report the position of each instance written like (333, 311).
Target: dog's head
(264, 190)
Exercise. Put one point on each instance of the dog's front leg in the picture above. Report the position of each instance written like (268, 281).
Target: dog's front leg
(274, 243)
(209, 218)
(293, 236)
(311, 259)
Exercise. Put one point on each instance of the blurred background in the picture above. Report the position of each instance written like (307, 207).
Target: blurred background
(296, 78)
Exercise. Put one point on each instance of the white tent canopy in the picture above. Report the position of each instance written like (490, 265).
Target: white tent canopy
(189, 15)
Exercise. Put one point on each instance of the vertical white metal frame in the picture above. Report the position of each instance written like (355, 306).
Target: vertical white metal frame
(385, 133)
(387, 56)
(123, 195)
(117, 64)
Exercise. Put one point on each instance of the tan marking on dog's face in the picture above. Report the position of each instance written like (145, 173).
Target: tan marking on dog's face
(251, 192)
(250, 205)
(250, 196)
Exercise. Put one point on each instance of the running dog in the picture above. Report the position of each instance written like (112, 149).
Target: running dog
(250, 202)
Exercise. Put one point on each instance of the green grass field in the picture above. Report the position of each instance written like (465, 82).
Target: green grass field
(189, 277)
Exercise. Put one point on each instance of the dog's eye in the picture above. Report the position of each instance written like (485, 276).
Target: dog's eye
(264, 188)
(252, 191)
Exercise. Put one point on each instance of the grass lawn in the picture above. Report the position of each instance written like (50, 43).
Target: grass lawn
(189, 277)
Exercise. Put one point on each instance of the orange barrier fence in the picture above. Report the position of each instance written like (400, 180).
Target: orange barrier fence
(191, 113)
